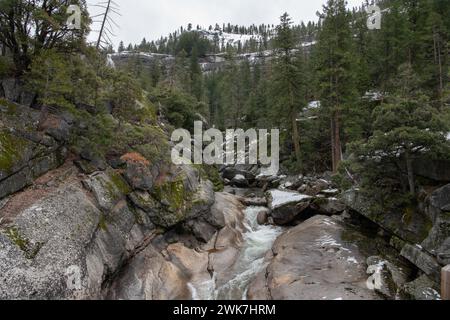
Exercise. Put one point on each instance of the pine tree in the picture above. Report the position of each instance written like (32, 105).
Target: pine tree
(335, 69)
(196, 75)
(287, 90)
(405, 126)
(121, 47)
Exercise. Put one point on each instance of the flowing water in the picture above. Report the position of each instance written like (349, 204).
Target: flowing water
(258, 240)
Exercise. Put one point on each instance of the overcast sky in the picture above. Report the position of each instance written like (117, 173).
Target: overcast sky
(152, 19)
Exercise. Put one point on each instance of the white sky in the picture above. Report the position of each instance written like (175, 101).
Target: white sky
(152, 19)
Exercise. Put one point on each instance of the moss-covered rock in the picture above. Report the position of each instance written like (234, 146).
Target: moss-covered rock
(181, 197)
(211, 173)
(13, 149)
(108, 188)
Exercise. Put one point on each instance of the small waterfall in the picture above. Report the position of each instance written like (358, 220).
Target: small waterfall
(258, 240)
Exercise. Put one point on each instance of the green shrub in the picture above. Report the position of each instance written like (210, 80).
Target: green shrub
(6, 67)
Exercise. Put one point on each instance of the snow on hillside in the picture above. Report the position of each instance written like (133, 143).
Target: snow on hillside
(230, 38)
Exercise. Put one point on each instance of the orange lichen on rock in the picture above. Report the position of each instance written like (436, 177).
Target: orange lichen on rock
(135, 157)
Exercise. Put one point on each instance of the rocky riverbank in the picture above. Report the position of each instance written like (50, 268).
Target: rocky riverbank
(74, 226)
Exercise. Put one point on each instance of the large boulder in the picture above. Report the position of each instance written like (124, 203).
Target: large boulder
(44, 242)
(409, 224)
(139, 176)
(181, 197)
(200, 229)
(179, 272)
(423, 260)
(67, 244)
(108, 188)
(149, 276)
(313, 261)
(328, 206)
(239, 170)
(423, 288)
(286, 206)
(240, 181)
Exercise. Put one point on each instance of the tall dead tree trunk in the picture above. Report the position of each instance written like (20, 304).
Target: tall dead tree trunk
(105, 17)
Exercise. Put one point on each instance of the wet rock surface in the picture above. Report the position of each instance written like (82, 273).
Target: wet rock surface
(313, 261)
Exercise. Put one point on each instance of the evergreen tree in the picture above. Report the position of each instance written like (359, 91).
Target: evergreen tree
(335, 68)
(287, 90)
(405, 126)
(196, 75)
(121, 47)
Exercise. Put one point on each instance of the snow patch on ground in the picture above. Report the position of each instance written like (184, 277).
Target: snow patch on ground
(352, 260)
(231, 38)
(329, 241)
(281, 198)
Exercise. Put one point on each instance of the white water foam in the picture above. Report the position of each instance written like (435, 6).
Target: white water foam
(258, 240)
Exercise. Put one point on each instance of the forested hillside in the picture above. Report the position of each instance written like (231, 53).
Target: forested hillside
(354, 94)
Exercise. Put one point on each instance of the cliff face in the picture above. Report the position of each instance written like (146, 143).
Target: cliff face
(208, 63)
(421, 235)
(69, 223)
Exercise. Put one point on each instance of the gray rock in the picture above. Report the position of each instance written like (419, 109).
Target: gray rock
(286, 206)
(139, 176)
(59, 130)
(32, 170)
(412, 226)
(225, 206)
(64, 247)
(150, 277)
(292, 182)
(142, 200)
(440, 201)
(27, 98)
(263, 217)
(257, 202)
(108, 188)
(231, 172)
(61, 227)
(181, 198)
(423, 261)
(88, 167)
(240, 181)
(202, 230)
(437, 207)
(328, 206)
(12, 89)
(26, 154)
(387, 278)
(313, 262)
(423, 288)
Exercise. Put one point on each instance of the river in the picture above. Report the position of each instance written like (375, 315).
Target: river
(258, 240)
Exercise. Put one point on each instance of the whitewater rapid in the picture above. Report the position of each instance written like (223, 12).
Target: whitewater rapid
(258, 240)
